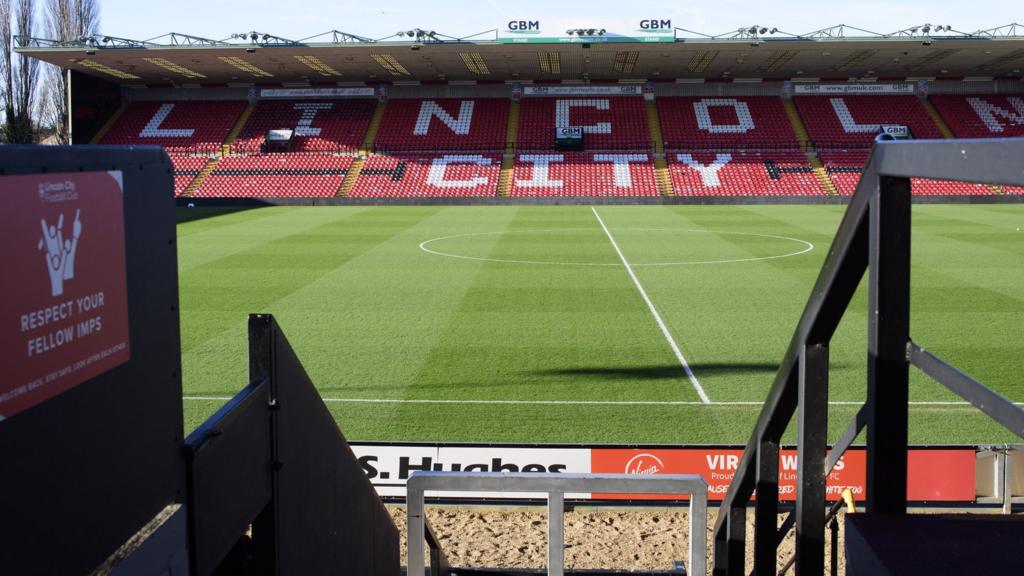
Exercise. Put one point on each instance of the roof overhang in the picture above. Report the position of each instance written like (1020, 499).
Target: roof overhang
(738, 59)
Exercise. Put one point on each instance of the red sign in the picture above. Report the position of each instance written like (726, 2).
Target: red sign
(64, 311)
(934, 475)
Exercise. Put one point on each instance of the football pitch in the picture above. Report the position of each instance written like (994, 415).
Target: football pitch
(580, 324)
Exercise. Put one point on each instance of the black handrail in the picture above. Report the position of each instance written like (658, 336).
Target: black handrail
(873, 236)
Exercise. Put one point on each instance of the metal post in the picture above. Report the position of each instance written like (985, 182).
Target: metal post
(812, 427)
(888, 335)
(697, 557)
(1007, 480)
(833, 526)
(556, 534)
(414, 522)
(736, 534)
(720, 553)
(766, 509)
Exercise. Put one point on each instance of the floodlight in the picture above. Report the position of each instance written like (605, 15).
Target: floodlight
(774, 30)
(601, 32)
(763, 30)
(590, 31)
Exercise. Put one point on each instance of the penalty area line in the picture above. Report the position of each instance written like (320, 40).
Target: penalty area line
(939, 403)
(654, 312)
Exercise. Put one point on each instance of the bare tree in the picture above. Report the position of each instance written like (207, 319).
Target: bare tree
(65, 21)
(20, 73)
(6, 66)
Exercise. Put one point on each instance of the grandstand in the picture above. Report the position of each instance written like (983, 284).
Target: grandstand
(745, 116)
(740, 147)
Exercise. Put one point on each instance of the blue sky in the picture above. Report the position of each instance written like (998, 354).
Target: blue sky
(219, 18)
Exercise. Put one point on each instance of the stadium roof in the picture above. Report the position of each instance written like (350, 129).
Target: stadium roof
(837, 53)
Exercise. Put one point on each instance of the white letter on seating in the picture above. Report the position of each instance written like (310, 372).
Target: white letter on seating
(430, 109)
(702, 109)
(988, 112)
(305, 125)
(563, 110)
(540, 171)
(623, 179)
(436, 176)
(846, 119)
(153, 129)
(709, 173)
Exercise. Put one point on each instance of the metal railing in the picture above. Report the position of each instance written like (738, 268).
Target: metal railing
(555, 485)
(873, 236)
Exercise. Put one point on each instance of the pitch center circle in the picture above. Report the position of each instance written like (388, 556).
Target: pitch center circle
(662, 246)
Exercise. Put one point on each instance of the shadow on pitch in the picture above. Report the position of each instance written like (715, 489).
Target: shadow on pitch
(184, 214)
(664, 372)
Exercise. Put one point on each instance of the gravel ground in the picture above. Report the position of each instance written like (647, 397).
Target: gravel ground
(629, 539)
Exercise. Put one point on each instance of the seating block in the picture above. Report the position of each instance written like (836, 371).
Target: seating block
(429, 175)
(623, 173)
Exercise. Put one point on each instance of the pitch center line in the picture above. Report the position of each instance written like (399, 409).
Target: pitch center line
(654, 312)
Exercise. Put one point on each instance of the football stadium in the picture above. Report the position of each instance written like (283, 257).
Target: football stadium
(772, 282)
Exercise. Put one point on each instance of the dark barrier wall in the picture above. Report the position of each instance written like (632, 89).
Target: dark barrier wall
(274, 458)
(82, 471)
(93, 102)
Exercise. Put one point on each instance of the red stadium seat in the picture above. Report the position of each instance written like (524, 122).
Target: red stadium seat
(446, 124)
(742, 173)
(844, 122)
(982, 116)
(609, 123)
(628, 173)
(186, 168)
(689, 123)
(199, 126)
(277, 175)
(322, 125)
(428, 175)
(845, 167)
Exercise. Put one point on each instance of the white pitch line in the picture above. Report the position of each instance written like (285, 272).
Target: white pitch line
(951, 403)
(654, 312)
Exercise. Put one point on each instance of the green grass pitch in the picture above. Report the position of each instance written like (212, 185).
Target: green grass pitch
(523, 324)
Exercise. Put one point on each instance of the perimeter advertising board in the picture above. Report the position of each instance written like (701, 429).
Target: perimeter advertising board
(64, 311)
(367, 92)
(840, 89)
(935, 475)
(616, 90)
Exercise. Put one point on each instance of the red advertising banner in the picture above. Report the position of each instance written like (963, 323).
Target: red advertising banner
(934, 475)
(64, 311)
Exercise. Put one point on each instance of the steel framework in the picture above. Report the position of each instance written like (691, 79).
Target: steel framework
(874, 236)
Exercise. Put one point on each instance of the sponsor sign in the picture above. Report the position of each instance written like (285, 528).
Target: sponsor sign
(569, 133)
(872, 88)
(896, 131)
(718, 466)
(625, 89)
(279, 135)
(606, 39)
(367, 91)
(527, 31)
(935, 475)
(64, 311)
(389, 467)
